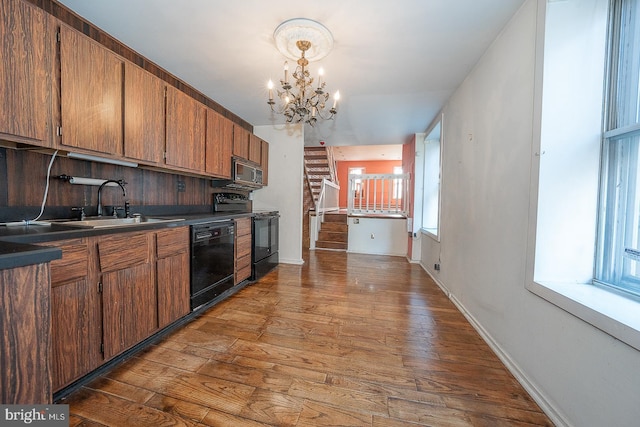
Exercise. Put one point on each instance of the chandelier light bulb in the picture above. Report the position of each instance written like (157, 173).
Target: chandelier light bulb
(336, 97)
(286, 72)
(270, 87)
(320, 74)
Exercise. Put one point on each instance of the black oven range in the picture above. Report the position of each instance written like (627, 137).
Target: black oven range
(265, 231)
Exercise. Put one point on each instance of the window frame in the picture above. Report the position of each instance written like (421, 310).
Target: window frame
(432, 204)
(620, 158)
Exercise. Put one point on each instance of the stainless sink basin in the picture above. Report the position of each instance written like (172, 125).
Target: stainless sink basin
(115, 222)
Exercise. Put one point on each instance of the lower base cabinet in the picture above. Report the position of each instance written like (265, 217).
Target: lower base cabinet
(24, 341)
(129, 296)
(173, 275)
(111, 292)
(243, 250)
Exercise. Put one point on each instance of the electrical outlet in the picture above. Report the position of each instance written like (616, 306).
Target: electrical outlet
(181, 186)
(373, 236)
(436, 267)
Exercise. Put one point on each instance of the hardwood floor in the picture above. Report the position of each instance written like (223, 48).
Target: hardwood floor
(345, 340)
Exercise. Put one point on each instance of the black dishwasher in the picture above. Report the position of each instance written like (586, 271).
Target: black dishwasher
(212, 260)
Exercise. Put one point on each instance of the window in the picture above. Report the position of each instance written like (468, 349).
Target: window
(357, 183)
(618, 252)
(397, 183)
(431, 179)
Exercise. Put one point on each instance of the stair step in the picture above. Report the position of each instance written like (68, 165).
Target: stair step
(333, 236)
(331, 245)
(335, 226)
(332, 217)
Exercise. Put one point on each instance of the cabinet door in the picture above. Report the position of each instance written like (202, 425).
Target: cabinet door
(26, 46)
(143, 115)
(219, 144)
(240, 142)
(186, 127)
(76, 332)
(173, 274)
(264, 162)
(130, 307)
(24, 335)
(129, 299)
(91, 94)
(255, 147)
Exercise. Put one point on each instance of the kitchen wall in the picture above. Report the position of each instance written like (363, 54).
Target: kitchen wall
(23, 181)
(580, 375)
(284, 192)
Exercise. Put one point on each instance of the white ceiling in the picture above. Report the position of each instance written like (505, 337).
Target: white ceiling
(394, 62)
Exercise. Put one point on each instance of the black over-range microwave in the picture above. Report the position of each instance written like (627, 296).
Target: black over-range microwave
(246, 174)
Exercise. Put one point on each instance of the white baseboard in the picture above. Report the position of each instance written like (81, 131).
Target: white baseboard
(291, 261)
(534, 391)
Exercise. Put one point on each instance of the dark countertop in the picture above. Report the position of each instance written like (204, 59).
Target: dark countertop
(17, 243)
(14, 255)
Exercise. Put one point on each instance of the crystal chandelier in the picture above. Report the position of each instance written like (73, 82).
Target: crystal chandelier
(301, 99)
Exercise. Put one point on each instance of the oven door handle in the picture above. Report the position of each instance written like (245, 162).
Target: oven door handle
(202, 236)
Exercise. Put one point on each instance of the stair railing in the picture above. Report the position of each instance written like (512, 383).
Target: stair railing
(328, 200)
(332, 165)
(383, 194)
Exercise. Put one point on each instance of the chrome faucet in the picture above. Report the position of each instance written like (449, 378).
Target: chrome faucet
(119, 182)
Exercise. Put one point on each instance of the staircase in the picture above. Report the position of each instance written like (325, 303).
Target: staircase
(334, 233)
(316, 166)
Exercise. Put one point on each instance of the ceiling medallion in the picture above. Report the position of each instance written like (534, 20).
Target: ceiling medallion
(300, 100)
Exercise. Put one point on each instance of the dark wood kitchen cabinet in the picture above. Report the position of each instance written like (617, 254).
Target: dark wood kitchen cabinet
(143, 115)
(27, 43)
(255, 149)
(76, 316)
(243, 249)
(219, 145)
(129, 300)
(185, 133)
(173, 274)
(24, 335)
(241, 142)
(264, 162)
(91, 79)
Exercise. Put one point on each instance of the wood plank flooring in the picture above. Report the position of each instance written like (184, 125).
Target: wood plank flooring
(344, 340)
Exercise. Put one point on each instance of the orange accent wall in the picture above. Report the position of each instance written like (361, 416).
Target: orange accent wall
(370, 166)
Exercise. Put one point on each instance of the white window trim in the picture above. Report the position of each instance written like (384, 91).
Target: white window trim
(607, 310)
(617, 315)
(434, 233)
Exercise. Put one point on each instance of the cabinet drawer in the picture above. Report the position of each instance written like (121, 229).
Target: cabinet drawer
(243, 246)
(243, 226)
(243, 272)
(124, 251)
(172, 241)
(73, 265)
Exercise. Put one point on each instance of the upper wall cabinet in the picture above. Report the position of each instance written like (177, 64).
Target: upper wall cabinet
(26, 54)
(91, 94)
(186, 125)
(255, 149)
(219, 145)
(240, 142)
(264, 162)
(143, 115)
